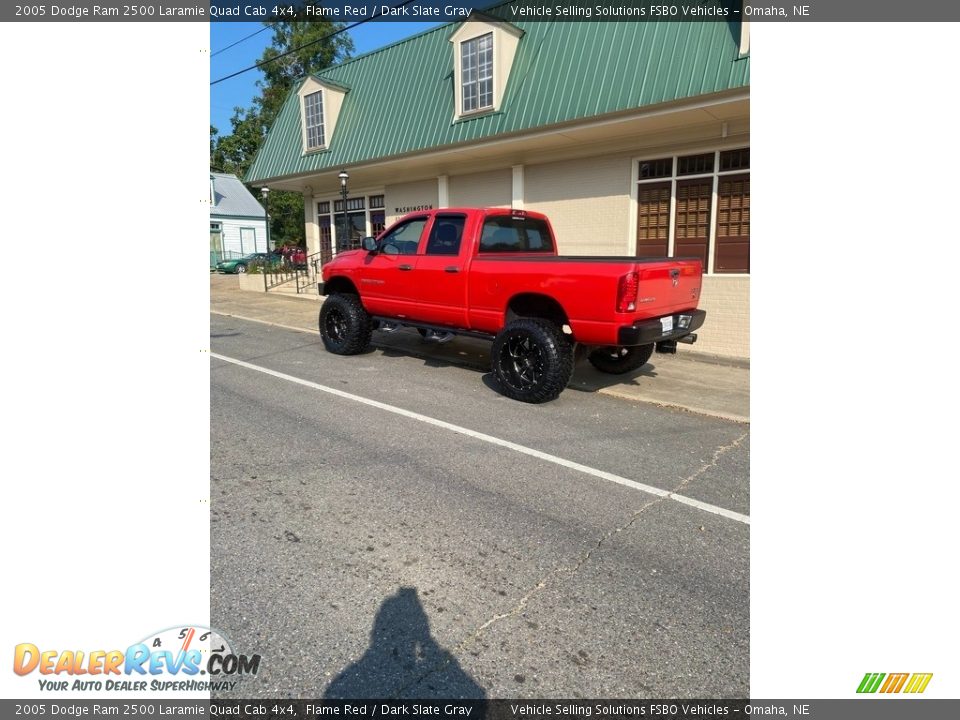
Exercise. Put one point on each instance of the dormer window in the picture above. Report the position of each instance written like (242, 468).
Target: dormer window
(320, 103)
(313, 120)
(476, 72)
(483, 53)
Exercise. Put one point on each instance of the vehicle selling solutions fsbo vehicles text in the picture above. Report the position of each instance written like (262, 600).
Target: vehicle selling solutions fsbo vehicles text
(691, 10)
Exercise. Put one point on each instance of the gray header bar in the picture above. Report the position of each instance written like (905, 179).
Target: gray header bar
(455, 10)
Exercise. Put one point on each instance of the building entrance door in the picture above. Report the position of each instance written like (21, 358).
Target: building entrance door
(653, 219)
(732, 252)
(692, 232)
(326, 239)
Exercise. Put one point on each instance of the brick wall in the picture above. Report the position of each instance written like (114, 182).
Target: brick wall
(587, 201)
(486, 189)
(727, 329)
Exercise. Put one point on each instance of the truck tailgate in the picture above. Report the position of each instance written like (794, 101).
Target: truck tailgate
(667, 287)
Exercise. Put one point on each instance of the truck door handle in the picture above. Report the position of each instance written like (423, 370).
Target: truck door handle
(406, 267)
(451, 269)
(674, 273)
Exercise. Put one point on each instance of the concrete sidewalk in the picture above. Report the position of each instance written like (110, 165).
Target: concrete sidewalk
(686, 381)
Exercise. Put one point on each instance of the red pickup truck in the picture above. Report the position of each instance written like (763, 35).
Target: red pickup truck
(495, 273)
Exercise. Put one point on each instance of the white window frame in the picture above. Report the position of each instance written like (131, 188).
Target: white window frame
(331, 101)
(464, 111)
(319, 126)
(337, 217)
(636, 181)
(504, 39)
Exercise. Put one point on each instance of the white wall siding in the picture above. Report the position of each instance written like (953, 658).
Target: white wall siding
(231, 235)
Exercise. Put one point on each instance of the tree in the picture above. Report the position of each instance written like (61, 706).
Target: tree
(298, 48)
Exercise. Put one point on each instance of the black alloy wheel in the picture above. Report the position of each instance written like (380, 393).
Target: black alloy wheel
(532, 360)
(345, 326)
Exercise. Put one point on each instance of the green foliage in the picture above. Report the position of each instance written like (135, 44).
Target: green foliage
(310, 50)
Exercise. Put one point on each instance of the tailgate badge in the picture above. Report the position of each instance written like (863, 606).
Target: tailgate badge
(675, 276)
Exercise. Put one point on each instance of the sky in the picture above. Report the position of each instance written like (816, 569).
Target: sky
(240, 91)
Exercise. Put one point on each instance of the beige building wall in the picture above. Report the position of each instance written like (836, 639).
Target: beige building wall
(486, 189)
(587, 201)
(419, 194)
(726, 332)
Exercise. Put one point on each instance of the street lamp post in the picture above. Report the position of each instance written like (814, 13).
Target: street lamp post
(265, 191)
(343, 191)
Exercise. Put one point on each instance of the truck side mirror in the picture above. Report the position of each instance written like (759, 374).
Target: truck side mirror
(369, 243)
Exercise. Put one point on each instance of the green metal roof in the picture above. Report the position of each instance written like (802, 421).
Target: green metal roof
(401, 97)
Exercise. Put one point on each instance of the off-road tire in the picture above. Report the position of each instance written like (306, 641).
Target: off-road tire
(620, 360)
(345, 327)
(532, 360)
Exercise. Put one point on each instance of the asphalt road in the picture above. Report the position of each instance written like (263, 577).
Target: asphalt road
(365, 553)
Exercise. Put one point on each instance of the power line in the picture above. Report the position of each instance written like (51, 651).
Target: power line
(312, 42)
(266, 27)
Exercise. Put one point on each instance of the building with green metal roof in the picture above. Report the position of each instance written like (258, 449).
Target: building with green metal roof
(238, 223)
(633, 137)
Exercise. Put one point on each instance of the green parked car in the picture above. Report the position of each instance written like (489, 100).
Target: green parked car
(239, 265)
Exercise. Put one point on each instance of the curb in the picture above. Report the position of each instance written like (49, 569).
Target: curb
(732, 417)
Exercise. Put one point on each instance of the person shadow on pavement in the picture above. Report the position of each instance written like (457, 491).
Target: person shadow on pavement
(404, 661)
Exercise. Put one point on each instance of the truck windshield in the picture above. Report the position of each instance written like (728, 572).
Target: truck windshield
(505, 234)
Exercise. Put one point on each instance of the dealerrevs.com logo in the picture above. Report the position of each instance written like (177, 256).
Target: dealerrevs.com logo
(182, 659)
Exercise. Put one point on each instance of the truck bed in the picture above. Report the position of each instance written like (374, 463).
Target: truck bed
(666, 286)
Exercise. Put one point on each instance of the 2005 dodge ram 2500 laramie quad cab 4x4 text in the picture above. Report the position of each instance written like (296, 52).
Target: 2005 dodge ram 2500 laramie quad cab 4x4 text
(495, 273)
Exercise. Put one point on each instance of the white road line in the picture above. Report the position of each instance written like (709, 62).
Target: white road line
(602, 474)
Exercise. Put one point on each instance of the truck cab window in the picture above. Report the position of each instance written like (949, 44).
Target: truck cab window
(446, 235)
(506, 234)
(403, 239)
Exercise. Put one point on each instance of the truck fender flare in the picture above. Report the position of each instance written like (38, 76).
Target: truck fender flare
(535, 305)
(340, 284)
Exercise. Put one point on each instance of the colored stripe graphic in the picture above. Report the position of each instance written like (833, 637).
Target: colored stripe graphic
(870, 682)
(894, 682)
(918, 683)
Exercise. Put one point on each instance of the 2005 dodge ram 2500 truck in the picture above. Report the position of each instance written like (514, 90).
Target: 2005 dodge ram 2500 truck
(495, 273)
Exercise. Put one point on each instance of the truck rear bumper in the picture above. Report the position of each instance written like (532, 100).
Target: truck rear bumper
(668, 327)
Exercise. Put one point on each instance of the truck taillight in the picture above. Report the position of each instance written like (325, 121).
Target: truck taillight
(627, 292)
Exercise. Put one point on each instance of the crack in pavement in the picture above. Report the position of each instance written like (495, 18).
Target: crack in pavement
(564, 573)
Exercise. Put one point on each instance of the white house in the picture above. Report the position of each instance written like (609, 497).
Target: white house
(237, 221)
